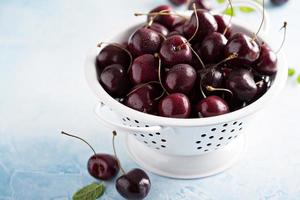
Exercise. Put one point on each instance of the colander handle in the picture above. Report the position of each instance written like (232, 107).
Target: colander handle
(252, 4)
(99, 110)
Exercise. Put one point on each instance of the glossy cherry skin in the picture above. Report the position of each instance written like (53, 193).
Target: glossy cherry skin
(178, 2)
(175, 50)
(213, 77)
(222, 24)
(141, 98)
(103, 166)
(267, 61)
(212, 48)
(212, 106)
(159, 28)
(279, 2)
(262, 87)
(175, 105)
(242, 84)
(144, 41)
(246, 48)
(111, 54)
(114, 80)
(180, 79)
(134, 185)
(144, 69)
(207, 25)
(200, 4)
(169, 21)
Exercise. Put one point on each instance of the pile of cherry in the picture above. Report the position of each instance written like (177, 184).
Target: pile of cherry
(180, 67)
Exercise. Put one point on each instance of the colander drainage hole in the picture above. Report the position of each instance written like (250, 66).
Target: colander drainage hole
(240, 124)
(163, 140)
(223, 130)
(153, 142)
(128, 118)
(142, 135)
(229, 138)
(206, 150)
(213, 129)
(198, 142)
(136, 121)
(199, 147)
(163, 146)
(234, 123)
(124, 119)
(232, 130)
(218, 145)
(235, 136)
(208, 144)
(211, 137)
(146, 125)
(225, 125)
(157, 148)
(240, 128)
(221, 138)
(145, 142)
(157, 133)
(150, 134)
(203, 135)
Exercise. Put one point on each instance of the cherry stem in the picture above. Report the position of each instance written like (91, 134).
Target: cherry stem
(212, 89)
(284, 36)
(142, 85)
(74, 136)
(159, 72)
(259, 83)
(230, 19)
(197, 27)
(161, 13)
(262, 21)
(232, 56)
(115, 152)
(150, 21)
(198, 57)
(201, 89)
(121, 47)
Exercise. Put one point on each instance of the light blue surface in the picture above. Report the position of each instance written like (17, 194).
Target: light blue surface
(42, 91)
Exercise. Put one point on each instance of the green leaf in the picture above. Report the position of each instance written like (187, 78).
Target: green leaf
(89, 192)
(298, 78)
(291, 71)
(246, 9)
(229, 12)
(220, 1)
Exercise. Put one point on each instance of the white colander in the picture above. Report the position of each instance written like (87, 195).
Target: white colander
(180, 148)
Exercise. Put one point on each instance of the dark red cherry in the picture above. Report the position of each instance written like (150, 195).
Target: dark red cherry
(168, 21)
(212, 77)
(222, 24)
(267, 61)
(180, 78)
(262, 87)
(279, 2)
(175, 105)
(134, 185)
(144, 69)
(207, 25)
(111, 54)
(141, 98)
(114, 80)
(200, 4)
(159, 29)
(242, 84)
(178, 2)
(103, 166)
(212, 106)
(175, 50)
(244, 46)
(144, 41)
(212, 48)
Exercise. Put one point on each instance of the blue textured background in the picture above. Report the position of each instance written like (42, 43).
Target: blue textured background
(42, 90)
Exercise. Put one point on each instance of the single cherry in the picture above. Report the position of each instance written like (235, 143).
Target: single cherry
(134, 184)
(242, 84)
(159, 28)
(212, 106)
(245, 47)
(267, 61)
(175, 105)
(170, 20)
(100, 166)
(144, 41)
(207, 25)
(212, 77)
(142, 97)
(112, 54)
(180, 79)
(223, 25)
(175, 50)
(144, 69)
(212, 48)
(114, 80)
(200, 4)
